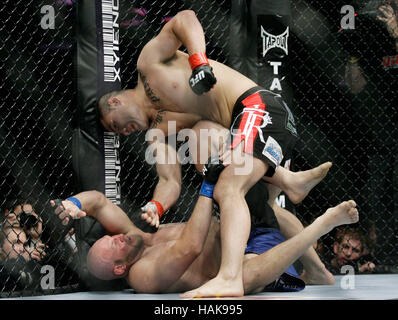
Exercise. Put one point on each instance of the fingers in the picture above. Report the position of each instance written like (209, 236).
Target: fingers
(37, 252)
(151, 218)
(66, 214)
(150, 215)
(387, 11)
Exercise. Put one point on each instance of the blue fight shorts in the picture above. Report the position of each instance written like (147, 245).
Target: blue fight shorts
(260, 241)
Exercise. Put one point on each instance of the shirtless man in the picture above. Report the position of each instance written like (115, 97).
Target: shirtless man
(172, 86)
(183, 256)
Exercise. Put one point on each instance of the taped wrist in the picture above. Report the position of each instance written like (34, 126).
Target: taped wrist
(207, 189)
(75, 201)
(158, 206)
(197, 60)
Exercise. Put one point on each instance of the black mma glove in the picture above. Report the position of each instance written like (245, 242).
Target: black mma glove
(202, 78)
(142, 224)
(211, 171)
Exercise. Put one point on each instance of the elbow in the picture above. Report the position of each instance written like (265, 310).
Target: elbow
(185, 17)
(186, 14)
(98, 199)
(98, 196)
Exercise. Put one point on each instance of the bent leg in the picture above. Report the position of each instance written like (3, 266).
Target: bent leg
(315, 271)
(298, 184)
(230, 193)
(267, 267)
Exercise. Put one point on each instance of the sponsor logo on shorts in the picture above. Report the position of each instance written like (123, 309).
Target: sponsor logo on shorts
(271, 41)
(273, 151)
(253, 120)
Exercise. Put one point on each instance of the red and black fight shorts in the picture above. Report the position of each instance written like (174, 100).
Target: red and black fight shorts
(264, 121)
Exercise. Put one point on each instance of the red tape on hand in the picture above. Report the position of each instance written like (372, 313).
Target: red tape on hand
(158, 206)
(198, 59)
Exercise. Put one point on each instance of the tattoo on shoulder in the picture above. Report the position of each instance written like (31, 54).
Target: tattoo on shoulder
(158, 119)
(148, 89)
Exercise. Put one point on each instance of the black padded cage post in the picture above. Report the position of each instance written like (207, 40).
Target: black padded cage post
(259, 49)
(96, 160)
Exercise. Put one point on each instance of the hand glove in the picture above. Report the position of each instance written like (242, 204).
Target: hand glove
(141, 223)
(150, 223)
(211, 171)
(202, 78)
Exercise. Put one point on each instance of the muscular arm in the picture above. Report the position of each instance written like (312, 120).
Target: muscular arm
(168, 187)
(168, 265)
(168, 167)
(111, 217)
(184, 29)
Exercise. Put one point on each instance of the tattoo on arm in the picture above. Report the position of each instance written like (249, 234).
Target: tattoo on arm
(148, 89)
(158, 119)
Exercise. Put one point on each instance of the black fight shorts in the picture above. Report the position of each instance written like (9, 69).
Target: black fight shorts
(266, 125)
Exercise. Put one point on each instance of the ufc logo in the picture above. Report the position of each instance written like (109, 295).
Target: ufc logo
(197, 78)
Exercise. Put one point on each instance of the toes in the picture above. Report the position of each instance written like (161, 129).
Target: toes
(354, 215)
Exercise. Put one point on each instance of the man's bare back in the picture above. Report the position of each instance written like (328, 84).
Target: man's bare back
(166, 85)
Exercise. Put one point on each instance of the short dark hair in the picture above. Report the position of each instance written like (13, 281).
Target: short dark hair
(103, 106)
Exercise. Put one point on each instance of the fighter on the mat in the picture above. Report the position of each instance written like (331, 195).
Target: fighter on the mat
(174, 86)
(183, 256)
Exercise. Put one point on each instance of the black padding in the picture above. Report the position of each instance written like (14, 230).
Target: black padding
(88, 136)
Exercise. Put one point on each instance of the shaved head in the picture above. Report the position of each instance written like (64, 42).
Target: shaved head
(111, 257)
(100, 263)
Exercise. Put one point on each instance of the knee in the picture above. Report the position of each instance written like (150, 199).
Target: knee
(226, 189)
(206, 139)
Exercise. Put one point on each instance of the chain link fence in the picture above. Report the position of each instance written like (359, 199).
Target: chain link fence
(345, 108)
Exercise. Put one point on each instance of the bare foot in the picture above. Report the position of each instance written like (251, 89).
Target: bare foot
(320, 276)
(217, 287)
(344, 213)
(304, 181)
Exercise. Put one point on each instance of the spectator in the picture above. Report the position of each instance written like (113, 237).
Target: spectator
(21, 248)
(349, 247)
(388, 15)
(22, 229)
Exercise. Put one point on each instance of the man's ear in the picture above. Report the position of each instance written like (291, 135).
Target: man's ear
(119, 269)
(114, 101)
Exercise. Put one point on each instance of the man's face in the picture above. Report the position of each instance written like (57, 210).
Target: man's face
(348, 250)
(120, 248)
(124, 119)
(14, 244)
